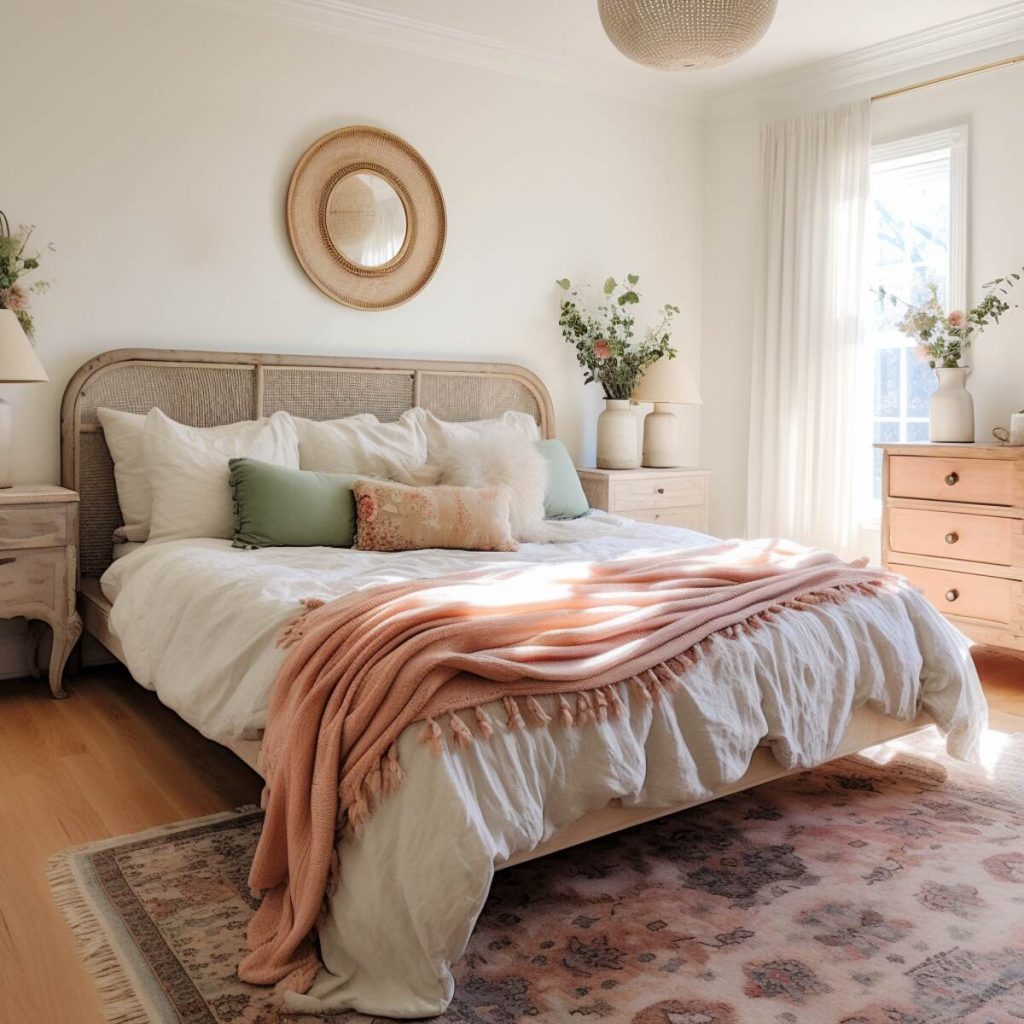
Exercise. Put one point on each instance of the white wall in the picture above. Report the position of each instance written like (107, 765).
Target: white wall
(990, 105)
(152, 142)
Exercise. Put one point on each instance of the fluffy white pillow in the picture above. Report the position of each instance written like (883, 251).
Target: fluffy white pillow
(495, 456)
(363, 445)
(188, 470)
(123, 433)
(441, 433)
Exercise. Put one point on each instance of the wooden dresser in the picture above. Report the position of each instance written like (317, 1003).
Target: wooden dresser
(671, 497)
(953, 524)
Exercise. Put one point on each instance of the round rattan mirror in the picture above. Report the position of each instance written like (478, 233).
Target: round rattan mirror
(366, 218)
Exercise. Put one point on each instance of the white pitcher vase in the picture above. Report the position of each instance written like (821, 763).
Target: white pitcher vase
(617, 436)
(951, 414)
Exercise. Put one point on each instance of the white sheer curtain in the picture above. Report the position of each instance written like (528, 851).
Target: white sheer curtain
(808, 428)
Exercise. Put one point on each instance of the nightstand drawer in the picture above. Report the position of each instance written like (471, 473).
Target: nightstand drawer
(953, 535)
(687, 518)
(30, 577)
(33, 526)
(961, 593)
(979, 481)
(654, 493)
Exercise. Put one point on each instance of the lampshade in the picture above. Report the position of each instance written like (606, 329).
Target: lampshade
(18, 361)
(680, 35)
(668, 380)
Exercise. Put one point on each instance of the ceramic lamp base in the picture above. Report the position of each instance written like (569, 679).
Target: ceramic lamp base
(661, 438)
(5, 443)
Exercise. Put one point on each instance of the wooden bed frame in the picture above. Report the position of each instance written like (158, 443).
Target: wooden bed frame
(211, 388)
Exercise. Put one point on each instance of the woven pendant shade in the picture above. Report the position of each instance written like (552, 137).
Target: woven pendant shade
(679, 35)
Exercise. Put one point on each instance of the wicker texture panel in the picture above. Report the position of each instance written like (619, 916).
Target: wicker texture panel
(457, 397)
(101, 513)
(201, 396)
(327, 394)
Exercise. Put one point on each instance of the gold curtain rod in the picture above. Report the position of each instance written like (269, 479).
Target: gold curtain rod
(966, 73)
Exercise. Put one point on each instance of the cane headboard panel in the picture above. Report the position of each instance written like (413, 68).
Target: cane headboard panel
(206, 389)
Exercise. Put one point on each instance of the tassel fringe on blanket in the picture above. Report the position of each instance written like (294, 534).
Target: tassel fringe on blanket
(551, 646)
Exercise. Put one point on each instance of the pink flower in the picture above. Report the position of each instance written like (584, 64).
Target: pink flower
(366, 507)
(602, 349)
(16, 299)
(956, 318)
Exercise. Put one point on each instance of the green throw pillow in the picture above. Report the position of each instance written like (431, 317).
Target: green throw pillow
(280, 507)
(564, 498)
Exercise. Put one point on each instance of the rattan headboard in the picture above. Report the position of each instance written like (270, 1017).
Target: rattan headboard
(206, 389)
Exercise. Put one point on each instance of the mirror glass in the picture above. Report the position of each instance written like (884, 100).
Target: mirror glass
(366, 219)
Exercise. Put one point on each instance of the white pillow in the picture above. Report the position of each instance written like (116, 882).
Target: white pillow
(361, 444)
(123, 433)
(498, 456)
(188, 470)
(441, 433)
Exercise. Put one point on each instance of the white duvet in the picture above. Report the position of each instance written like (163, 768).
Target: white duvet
(198, 622)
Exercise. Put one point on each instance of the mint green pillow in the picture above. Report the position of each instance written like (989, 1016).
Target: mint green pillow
(280, 507)
(564, 498)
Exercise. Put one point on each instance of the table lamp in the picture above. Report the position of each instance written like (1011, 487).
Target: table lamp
(18, 365)
(665, 383)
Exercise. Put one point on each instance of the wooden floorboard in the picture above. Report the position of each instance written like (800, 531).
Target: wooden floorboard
(112, 760)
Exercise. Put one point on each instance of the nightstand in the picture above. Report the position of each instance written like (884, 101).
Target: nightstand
(39, 565)
(670, 497)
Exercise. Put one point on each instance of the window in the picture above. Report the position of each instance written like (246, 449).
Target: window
(917, 231)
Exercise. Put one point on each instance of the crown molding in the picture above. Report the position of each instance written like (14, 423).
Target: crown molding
(954, 43)
(412, 35)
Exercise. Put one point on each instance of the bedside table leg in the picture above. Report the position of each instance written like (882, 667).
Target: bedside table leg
(64, 641)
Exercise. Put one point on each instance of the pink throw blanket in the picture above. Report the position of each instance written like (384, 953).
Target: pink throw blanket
(365, 666)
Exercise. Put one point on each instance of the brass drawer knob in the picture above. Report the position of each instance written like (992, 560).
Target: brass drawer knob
(952, 479)
(952, 538)
(952, 595)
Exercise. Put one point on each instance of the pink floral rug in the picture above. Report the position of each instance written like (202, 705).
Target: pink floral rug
(859, 893)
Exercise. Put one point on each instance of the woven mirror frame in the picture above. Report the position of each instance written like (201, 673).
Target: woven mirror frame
(364, 153)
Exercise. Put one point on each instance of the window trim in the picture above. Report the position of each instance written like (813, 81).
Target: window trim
(955, 139)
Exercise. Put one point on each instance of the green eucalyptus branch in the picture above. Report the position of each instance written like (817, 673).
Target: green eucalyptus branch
(604, 336)
(943, 338)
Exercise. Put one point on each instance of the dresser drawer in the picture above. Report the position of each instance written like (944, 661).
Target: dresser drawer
(953, 535)
(961, 593)
(33, 526)
(30, 577)
(978, 481)
(654, 493)
(687, 518)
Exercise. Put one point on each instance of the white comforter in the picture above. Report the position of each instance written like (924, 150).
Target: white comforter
(198, 622)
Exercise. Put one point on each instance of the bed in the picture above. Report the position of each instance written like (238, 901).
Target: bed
(195, 620)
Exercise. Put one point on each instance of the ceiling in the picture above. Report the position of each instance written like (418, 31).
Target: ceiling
(804, 31)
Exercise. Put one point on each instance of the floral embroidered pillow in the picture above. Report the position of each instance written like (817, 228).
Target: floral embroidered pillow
(396, 517)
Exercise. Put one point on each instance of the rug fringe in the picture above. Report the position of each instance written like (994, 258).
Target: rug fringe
(119, 998)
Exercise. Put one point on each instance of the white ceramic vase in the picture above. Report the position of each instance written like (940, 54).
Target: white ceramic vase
(617, 436)
(951, 414)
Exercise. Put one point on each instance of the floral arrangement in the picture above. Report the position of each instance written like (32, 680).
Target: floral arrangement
(15, 263)
(603, 336)
(943, 338)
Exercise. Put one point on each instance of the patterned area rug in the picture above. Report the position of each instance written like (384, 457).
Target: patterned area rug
(860, 893)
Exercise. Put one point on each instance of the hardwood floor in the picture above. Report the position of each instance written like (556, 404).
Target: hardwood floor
(108, 761)
(112, 760)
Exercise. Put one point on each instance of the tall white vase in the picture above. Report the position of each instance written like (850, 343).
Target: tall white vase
(617, 436)
(951, 414)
